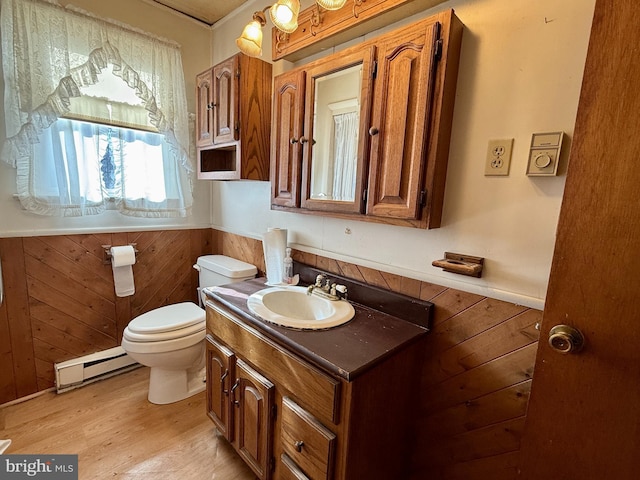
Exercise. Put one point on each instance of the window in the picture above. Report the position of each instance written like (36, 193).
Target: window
(96, 115)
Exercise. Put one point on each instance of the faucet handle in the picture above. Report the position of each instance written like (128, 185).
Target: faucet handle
(319, 279)
(342, 290)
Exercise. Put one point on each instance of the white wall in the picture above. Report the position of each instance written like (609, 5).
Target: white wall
(520, 73)
(195, 39)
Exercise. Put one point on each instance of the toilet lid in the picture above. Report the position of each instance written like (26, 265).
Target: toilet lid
(168, 318)
(197, 329)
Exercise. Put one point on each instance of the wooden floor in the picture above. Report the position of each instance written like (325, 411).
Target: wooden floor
(117, 433)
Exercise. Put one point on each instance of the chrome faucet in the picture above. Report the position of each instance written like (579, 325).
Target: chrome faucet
(329, 290)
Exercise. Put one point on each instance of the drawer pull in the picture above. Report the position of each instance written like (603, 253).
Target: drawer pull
(299, 444)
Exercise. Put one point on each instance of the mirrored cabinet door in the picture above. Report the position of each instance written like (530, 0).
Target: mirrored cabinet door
(335, 141)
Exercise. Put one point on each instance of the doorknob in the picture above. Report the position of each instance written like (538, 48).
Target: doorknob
(566, 339)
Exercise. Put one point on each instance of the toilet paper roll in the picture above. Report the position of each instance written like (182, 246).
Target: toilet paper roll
(121, 260)
(274, 244)
(124, 255)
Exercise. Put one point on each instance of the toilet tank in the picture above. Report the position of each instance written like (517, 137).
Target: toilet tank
(220, 270)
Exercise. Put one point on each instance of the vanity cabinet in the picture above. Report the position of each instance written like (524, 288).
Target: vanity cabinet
(300, 420)
(233, 110)
(389, 165)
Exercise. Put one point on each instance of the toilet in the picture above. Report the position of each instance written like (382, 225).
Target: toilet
(170, 339)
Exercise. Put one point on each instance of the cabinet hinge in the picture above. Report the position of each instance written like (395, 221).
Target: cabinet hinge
(272, 464)
(238, 73)
(364, 195)
(374, 72)
(237, 127)
(437, 54)
(423, 198)
(274, 411)
(437, 48)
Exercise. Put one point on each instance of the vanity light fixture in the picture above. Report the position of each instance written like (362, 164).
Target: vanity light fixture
(331, 4)
(250, 42)
(284, 15)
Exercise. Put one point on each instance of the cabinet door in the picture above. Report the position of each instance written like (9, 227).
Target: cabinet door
(220, 372)
(204, 109)
(400, 120)
(225, 101)
(286, 149)
(337, 109)
(253, 397)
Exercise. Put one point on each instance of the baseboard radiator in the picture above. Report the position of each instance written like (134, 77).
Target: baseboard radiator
(91, 368)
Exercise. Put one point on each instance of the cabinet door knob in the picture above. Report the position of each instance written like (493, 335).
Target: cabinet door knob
(293, 141)
(373, 131)
(299, 444)
(304, 140)
(211, 105)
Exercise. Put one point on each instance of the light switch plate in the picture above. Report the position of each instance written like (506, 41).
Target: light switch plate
(498, 157)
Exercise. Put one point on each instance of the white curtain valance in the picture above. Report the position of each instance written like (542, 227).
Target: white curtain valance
(51, 52)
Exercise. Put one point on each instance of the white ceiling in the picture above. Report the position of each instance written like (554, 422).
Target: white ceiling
(207, 11)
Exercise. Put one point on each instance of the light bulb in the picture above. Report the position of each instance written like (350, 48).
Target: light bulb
(250, 42)
(284, 15)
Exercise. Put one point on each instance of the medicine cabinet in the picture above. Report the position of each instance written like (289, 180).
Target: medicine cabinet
(364, 133)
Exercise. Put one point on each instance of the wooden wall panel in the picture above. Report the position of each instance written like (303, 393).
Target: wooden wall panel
(60, 301)
(476, 377)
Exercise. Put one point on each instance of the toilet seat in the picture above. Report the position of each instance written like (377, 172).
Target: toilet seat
(169, 318)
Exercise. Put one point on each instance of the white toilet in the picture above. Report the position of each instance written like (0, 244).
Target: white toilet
(170, 339)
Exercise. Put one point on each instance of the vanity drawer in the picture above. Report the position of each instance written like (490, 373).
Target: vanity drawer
(289, 469)
(306, 441)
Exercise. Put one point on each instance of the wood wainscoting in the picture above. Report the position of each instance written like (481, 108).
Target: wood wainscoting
(476, 379)
(474, 389)
(60, 303)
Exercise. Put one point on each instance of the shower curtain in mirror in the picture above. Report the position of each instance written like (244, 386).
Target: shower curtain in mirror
(345, 156)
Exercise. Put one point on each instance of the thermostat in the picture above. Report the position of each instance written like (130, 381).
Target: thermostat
(544, 154)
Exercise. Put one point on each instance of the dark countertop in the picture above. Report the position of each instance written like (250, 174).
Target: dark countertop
(346, 350)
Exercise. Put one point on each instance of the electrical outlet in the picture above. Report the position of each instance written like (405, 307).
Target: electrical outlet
(498, 157)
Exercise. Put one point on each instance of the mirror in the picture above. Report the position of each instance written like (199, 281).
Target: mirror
(338, 93)
(335, 131)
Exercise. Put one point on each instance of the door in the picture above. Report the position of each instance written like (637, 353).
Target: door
(225, 101)
(253, 397)
(286, 151)
(584, 414)
(220, 372)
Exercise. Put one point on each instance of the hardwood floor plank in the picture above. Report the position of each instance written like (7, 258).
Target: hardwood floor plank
(116, 432)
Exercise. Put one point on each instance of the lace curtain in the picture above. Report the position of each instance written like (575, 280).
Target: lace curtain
(346, 156)
(50, 53)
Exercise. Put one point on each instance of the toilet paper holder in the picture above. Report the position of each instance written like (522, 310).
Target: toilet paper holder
(106, 257)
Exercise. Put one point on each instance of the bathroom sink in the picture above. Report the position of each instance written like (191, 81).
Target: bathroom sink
(291, 306)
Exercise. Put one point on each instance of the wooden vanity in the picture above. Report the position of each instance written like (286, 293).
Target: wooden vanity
(329, 404)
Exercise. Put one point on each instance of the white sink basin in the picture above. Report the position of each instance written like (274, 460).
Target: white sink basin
(293, 307)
